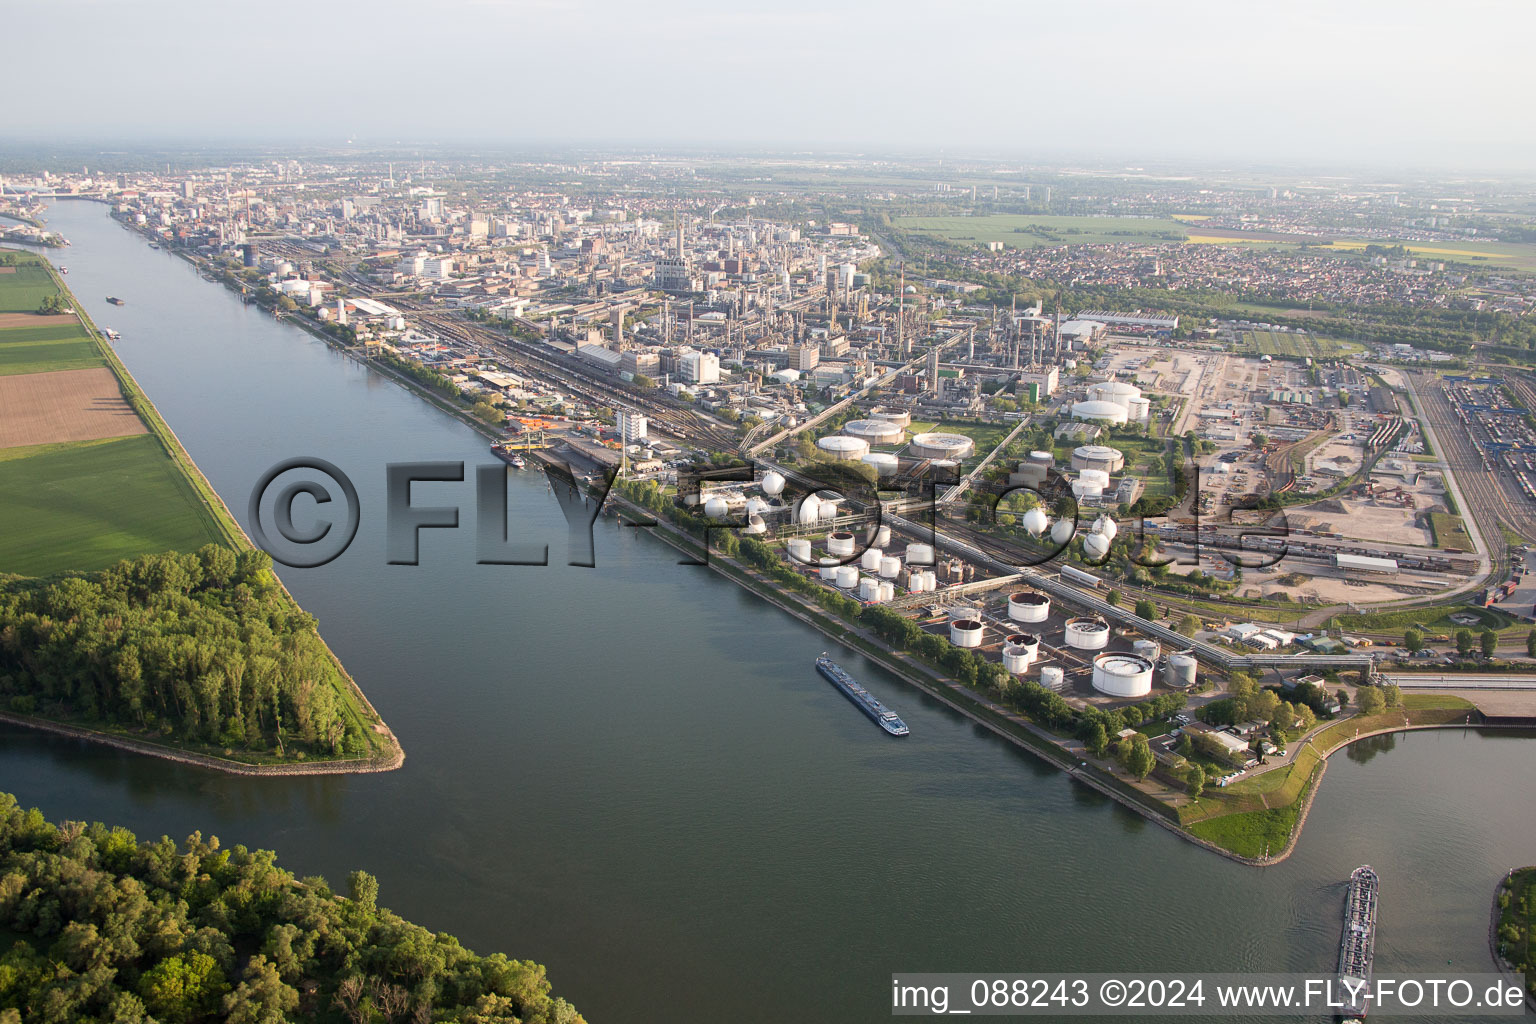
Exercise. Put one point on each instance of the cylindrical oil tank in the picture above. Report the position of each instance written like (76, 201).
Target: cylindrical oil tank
(1016, 662)
(875, 431)
(843, 448)
(1087, 634)
(919, 554)
(869, 589)
(883, 537)
(1041, 459)
(1028, 642)
(1029, 606)
(885, 463)
(1020, 651)
(966, 632)
(937, 445)
(870, 559)
(930, 580)
(800, 549)
(1149, 649)
(1053, 678)
(890, 565)
(887, 591)
(1122, 675)
(840, 543)
(1181, 670)
(915, 583)
(829, 569)
(900, 417)
(847, 576)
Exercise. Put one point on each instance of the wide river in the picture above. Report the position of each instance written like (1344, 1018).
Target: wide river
(632, 773)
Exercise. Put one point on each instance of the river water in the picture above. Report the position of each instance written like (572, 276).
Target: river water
(632, 773)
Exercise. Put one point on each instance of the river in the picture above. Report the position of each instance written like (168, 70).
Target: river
(632, 773)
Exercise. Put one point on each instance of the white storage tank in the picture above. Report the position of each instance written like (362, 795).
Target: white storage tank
(883, 537)
(810, 509)
(1122, 675)
(966, 632)
(1035, 520)
(870, 559)
(829, 569)
(1020, 651)
(840, 543)
(1095, 546)
(800, 549)
(875, 431)
(938, 445)
(890, 565)
(1106, 526)
(1181, 671)
(1149, 649)
(1063, 530)
(1087, 634)
(887, 591)
(919, 554)
(915, 583)
(847, 576)
(716, 508)
(1053, 678)
(1041, 459)
(1029, 606)
(930, 581)
(885, 463)
(1082, 489)
(1015, 662)
(869, 589)
(827, 509)
(843, 448)
(755, 525)
(773, 483)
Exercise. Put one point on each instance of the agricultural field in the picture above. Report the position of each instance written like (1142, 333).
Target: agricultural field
(64, 405)
(1506, 255)
(86, 505)
(23, 287)
(63, 346)
(1027, 231)
(1287, 343)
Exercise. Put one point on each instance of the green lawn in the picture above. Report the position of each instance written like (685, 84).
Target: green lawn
(1250, 833)
(38, 349)
(25, 290)
(1029, 230)
(1286, 343)
(88, 504)
(1449, 531)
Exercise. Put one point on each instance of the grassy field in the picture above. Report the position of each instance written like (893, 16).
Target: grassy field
(1029, 230)
(1510, 255)
(37, 349)
(1449, 531)
(1285, 343)
(1437, 619)
(25, 289)
(88, 504)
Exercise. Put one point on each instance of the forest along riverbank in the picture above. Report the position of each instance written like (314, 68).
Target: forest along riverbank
(97, 483)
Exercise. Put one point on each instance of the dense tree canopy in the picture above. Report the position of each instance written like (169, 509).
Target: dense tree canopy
(204, 648)
(105, 928)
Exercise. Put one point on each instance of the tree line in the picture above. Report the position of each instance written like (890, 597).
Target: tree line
(104, 927)
(202, 648)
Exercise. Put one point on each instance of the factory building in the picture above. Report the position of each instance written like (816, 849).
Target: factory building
(1365, 565)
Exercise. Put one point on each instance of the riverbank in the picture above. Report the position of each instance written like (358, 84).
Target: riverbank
(1510, 920)
(385, 751)
(975, 706)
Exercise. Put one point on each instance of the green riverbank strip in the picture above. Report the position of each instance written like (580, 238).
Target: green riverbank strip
(86, 505)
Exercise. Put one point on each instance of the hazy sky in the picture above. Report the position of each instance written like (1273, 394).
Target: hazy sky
(1358, 81)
